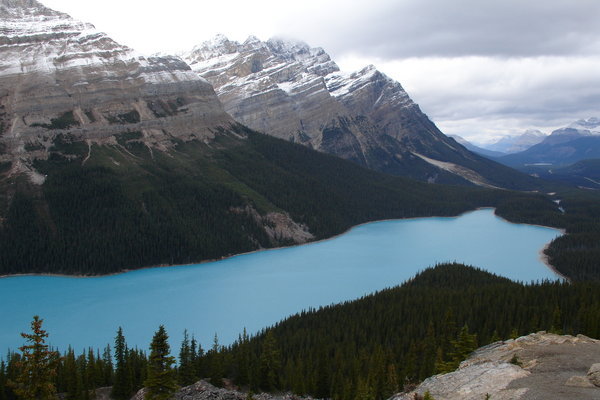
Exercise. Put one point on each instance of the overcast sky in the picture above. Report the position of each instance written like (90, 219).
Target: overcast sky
(479, 68)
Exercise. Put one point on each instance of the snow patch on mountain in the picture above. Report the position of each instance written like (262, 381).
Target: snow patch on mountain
(591, 126)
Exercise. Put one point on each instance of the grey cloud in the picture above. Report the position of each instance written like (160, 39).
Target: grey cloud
(415, 28)
(497, 96)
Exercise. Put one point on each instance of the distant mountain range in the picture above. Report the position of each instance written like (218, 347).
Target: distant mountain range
(476, 149)
(292, 91)
(516, 144)
(575, 142)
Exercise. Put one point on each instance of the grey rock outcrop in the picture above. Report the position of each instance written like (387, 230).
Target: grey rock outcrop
(552, 367)
(579, 381)
(594, 374)
(292, 91)
(205, 391)
(62, 78)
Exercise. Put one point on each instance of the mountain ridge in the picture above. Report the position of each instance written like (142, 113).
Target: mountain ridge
(292, 91)
(577, 141)
(516, 144)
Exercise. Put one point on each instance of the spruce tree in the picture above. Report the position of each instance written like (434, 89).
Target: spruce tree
(216, 364)
(73, 390)
(464, 345)
(37, 366)
(270, 364)
(2, 380)
(161, 380)
(185, 372)
(107, 367)
(121, 389)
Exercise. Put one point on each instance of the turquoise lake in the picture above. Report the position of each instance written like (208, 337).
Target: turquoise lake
(258, 289)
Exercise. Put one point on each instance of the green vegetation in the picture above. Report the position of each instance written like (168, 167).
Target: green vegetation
(65, 121)
(33, 146)
(90, 115)
(123, 138)
(161, 383)
(36, 366)
(130, 117)
(368, 348)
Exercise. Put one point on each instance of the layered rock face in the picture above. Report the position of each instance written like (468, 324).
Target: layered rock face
(537, 366)
(294, 92)
(63, 78)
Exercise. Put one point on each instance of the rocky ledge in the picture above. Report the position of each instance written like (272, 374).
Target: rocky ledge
(205, 391)
(538, 366)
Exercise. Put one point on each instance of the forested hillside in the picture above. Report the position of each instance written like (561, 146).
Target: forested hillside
(379, 343)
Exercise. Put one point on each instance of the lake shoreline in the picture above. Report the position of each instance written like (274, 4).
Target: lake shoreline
(542, 256)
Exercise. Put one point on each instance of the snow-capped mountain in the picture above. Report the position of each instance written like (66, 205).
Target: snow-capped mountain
(292, 91)
(591, 126)
(476, 149)
(59, 76)
(577, 141)
(579, 128)
(515, 144)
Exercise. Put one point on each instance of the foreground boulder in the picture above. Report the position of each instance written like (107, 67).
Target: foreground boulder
(538, 366)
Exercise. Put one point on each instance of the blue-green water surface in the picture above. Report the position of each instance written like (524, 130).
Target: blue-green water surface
(258, 289)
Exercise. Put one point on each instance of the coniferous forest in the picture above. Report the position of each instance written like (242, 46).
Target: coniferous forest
(363, 349)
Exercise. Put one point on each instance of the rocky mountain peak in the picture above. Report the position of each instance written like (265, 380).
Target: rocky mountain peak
(290, 90)
(533, 133)
(591, 125)
(20, 8)
(255, 53)
(60, 76)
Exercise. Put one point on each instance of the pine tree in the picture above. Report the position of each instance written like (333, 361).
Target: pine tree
(37, 366)
(90, 377)
(2, 380)
(121, 389)
(391, 381)
(161, 381)
(464, 345)
(197, 361)
(428, 353)
(185, 373)
(216, 364)
(270, 363)
(556, 321)
(364, 391)
(72, 388)
(107, 367)
(243, 359)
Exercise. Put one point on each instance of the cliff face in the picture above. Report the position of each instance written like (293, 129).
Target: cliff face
(295, 92)
(537, 366)
(61, 78)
